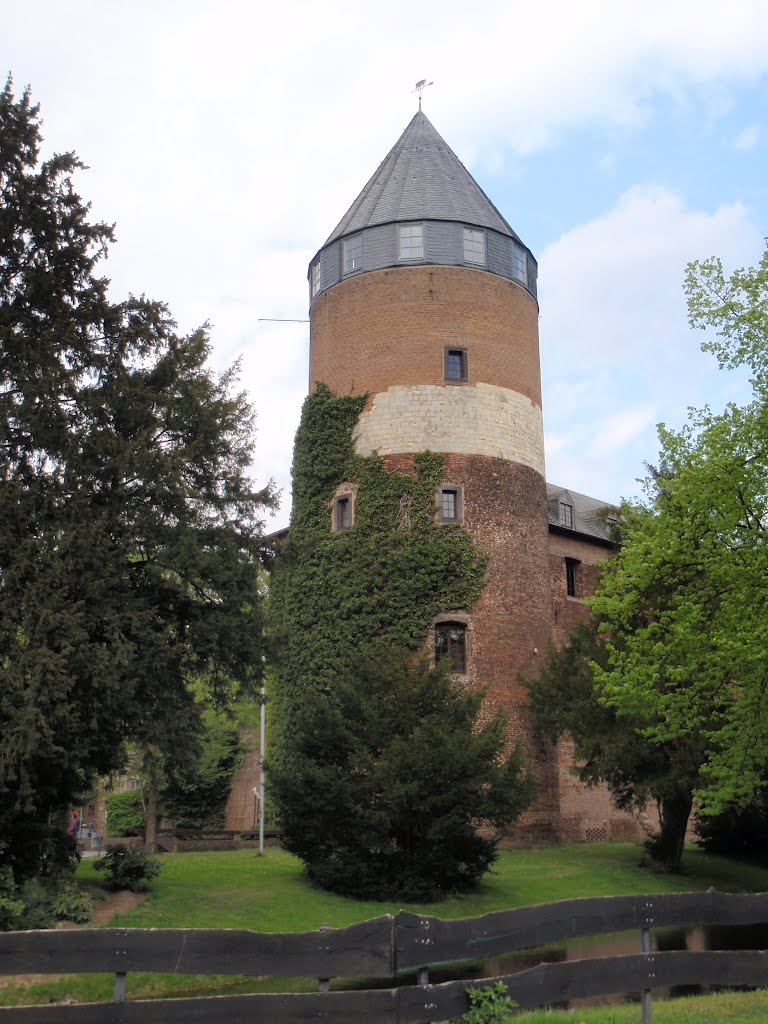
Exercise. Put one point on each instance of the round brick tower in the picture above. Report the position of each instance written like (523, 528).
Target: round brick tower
(425, 298)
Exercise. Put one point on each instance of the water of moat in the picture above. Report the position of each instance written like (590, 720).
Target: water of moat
(699, 938)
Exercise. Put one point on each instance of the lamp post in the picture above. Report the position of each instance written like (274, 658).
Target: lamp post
(262, 742)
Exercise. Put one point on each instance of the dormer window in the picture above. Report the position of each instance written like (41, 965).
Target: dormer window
(474, 246)
(566, 515)
(315, 278)
(411, 242)
(353, 254)
(519, 263)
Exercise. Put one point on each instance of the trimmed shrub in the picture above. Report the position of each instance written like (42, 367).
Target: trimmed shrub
(126, 868)
(392, 787)
(125, 813)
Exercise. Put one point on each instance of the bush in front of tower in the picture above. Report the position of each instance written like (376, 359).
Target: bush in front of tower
(393, 788)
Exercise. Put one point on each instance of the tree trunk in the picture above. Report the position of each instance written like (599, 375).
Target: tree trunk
(150, 834)
(666, 847)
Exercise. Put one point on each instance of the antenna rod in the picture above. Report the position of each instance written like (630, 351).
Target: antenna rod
(275, 320)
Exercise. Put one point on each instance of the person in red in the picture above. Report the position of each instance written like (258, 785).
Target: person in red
(74, 826)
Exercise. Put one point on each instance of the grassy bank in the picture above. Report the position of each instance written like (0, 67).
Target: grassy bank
(240, 890)
(723, 1008)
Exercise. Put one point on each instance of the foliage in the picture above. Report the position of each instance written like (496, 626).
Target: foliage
(395, 789)
(37, 898)
(130, 537)
(125, 867)
(488, 1005)
(611, 748)
(361, 593)
(736, 831)
(11, 907)
(197, 794)
(370, 589)
(695, 662)
(125, 813)
(72, 903)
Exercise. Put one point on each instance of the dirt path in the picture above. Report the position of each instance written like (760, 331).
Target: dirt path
(115, 903)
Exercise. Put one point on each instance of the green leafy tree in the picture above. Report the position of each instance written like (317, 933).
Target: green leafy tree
(613, 749)
(396, 788)
(694, 664)
(130, 533)
(125, 813)
(195, 795)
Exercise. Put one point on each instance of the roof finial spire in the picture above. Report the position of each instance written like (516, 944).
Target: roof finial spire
(420, 87)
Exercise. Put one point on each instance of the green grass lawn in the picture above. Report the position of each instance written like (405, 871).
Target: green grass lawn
(723, 1008)
(240, 890)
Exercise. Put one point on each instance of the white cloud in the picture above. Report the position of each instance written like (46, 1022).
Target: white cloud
(747, 139)
(617, 352)
(616, 431)
(227, 140)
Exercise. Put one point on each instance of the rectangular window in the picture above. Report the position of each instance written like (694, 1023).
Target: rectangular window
(474, 246)
(342, 514)
(315, 278)
(518, 263)
(450, 505)
(411, 242)
(456, 364)
(570, 576)
(353, 254)
(566, 515)
(451, 643)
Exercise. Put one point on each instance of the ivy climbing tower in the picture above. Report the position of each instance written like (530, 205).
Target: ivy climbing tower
(424, 299)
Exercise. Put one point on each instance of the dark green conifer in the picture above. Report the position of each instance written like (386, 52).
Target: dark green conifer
(130, 538)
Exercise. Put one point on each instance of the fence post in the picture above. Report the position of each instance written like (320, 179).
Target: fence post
(423, 976)
(645, 995)
(324, 984)
(120, 977)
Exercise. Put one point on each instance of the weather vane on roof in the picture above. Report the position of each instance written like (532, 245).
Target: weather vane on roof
(420, 87)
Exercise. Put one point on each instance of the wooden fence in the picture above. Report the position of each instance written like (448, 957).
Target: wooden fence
(381, 948)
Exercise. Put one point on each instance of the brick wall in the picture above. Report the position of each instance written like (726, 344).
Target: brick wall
(567, 611)
(504, 507)
(240, 812)
(391, 327)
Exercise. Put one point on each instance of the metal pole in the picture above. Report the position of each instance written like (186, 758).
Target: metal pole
(262, 740)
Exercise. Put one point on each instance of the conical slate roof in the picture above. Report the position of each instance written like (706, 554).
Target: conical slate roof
(421, 178)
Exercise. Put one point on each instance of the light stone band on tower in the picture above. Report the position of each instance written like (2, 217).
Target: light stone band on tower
(474, 420)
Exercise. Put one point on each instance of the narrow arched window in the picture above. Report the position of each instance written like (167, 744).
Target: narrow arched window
(451, 643)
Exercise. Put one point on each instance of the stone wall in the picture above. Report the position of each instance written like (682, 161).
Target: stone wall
(475, 420)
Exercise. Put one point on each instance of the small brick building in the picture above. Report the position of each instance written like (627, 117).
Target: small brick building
(424, 297)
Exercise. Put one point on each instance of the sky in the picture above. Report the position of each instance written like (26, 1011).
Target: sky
(225, 141)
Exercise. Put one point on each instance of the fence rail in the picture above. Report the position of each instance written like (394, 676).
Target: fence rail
(382, 947)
